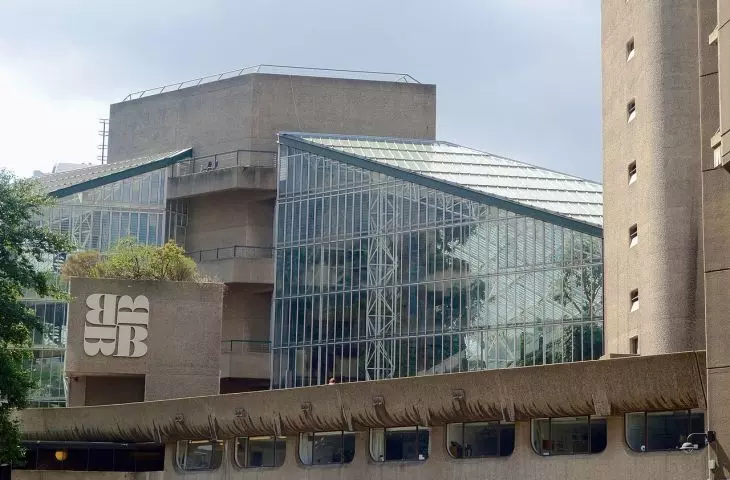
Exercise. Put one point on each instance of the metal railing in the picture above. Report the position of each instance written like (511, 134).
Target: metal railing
(236, 251)
(220, 161)
(276, 69)
(246, 346)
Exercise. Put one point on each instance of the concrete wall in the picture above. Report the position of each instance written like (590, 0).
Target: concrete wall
(235, 178)
(716, 223)
(230, 218)
(616, 462)
(665, 142)
(246, 112)
(183, 342)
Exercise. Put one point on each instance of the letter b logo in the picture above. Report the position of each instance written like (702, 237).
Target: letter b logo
(116, 328)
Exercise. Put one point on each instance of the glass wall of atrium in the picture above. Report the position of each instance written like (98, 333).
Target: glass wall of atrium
(381, 277)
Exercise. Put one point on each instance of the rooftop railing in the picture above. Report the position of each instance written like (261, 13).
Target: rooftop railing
(245, 346)
(276, 69)
(220, 161)
(236, 251)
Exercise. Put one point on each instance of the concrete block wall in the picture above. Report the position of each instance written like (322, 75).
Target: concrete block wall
(247, 112)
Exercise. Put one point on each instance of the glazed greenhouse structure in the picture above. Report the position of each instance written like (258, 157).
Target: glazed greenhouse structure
(400, 258)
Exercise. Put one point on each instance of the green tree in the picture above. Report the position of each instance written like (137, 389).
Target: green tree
(131, 260)
(26, 250)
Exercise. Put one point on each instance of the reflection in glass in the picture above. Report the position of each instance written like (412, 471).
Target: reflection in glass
(198, 455)
(323, 448)
(401, 443)
(568, 435)
(260, 451)
(377, 277)
(656, 431)
(480, 439)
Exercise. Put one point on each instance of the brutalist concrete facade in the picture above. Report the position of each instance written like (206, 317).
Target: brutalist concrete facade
(246, 113)
(653, 145)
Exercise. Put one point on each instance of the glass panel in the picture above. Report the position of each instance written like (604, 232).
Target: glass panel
(428, 282)
(198, 455)
(323, 448)
(406, 443)
(635, 431)
(260, 451)
(569, 435)
(485, 439)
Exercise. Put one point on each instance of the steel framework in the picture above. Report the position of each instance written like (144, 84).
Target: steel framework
(382, 298)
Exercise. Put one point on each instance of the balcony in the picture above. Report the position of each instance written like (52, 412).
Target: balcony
(238, 264)
(236, 170)
(245, 359)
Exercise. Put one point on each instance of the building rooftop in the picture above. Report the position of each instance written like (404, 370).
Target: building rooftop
(497, 176)
(63, 183)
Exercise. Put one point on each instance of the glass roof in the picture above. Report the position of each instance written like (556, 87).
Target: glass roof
(533, 186)
(107, 173)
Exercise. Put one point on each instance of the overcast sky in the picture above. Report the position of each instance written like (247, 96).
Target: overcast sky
(519, 78)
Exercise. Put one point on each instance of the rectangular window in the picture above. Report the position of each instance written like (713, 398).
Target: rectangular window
(568, 435)
(630, 50)
(404, 443)
(660, 431)
(326, 448)
(632, 172)
(198, 455)
(252, 452)
(633, 235)
(480, 439)
(631, 110)
(634, 345)
(717, 155)
(634, 300)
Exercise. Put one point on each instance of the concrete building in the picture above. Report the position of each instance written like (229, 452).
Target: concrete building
(414, 272)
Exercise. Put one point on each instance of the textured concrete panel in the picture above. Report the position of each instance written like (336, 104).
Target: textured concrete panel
(239, 217)
(664, 140)
(716, 213)
(184, 336)
(605, 387)
(235, 178)
(246, 112)
(256, 271)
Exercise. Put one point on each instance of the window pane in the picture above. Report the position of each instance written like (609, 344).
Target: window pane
(483, 439)
(598, 435)
(199, 455)
(260, 451)
(569, 435)
(541, 436)
(666, 430)
(635, 429)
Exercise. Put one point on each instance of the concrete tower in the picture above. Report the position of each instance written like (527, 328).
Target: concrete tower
(653, 146)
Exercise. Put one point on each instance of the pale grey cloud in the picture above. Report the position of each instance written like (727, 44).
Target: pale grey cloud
(515, 77)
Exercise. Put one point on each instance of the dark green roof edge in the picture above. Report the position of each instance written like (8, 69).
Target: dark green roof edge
(510, 205)
(121, 175)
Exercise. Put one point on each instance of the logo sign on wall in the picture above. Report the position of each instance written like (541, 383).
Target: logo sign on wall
(116, 325)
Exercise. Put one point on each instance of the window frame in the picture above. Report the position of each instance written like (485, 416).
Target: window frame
(212, 466)
(645, 439)
(550, 453)
(244, 465)
(414, 428)
(342, 434)
(499, 423)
